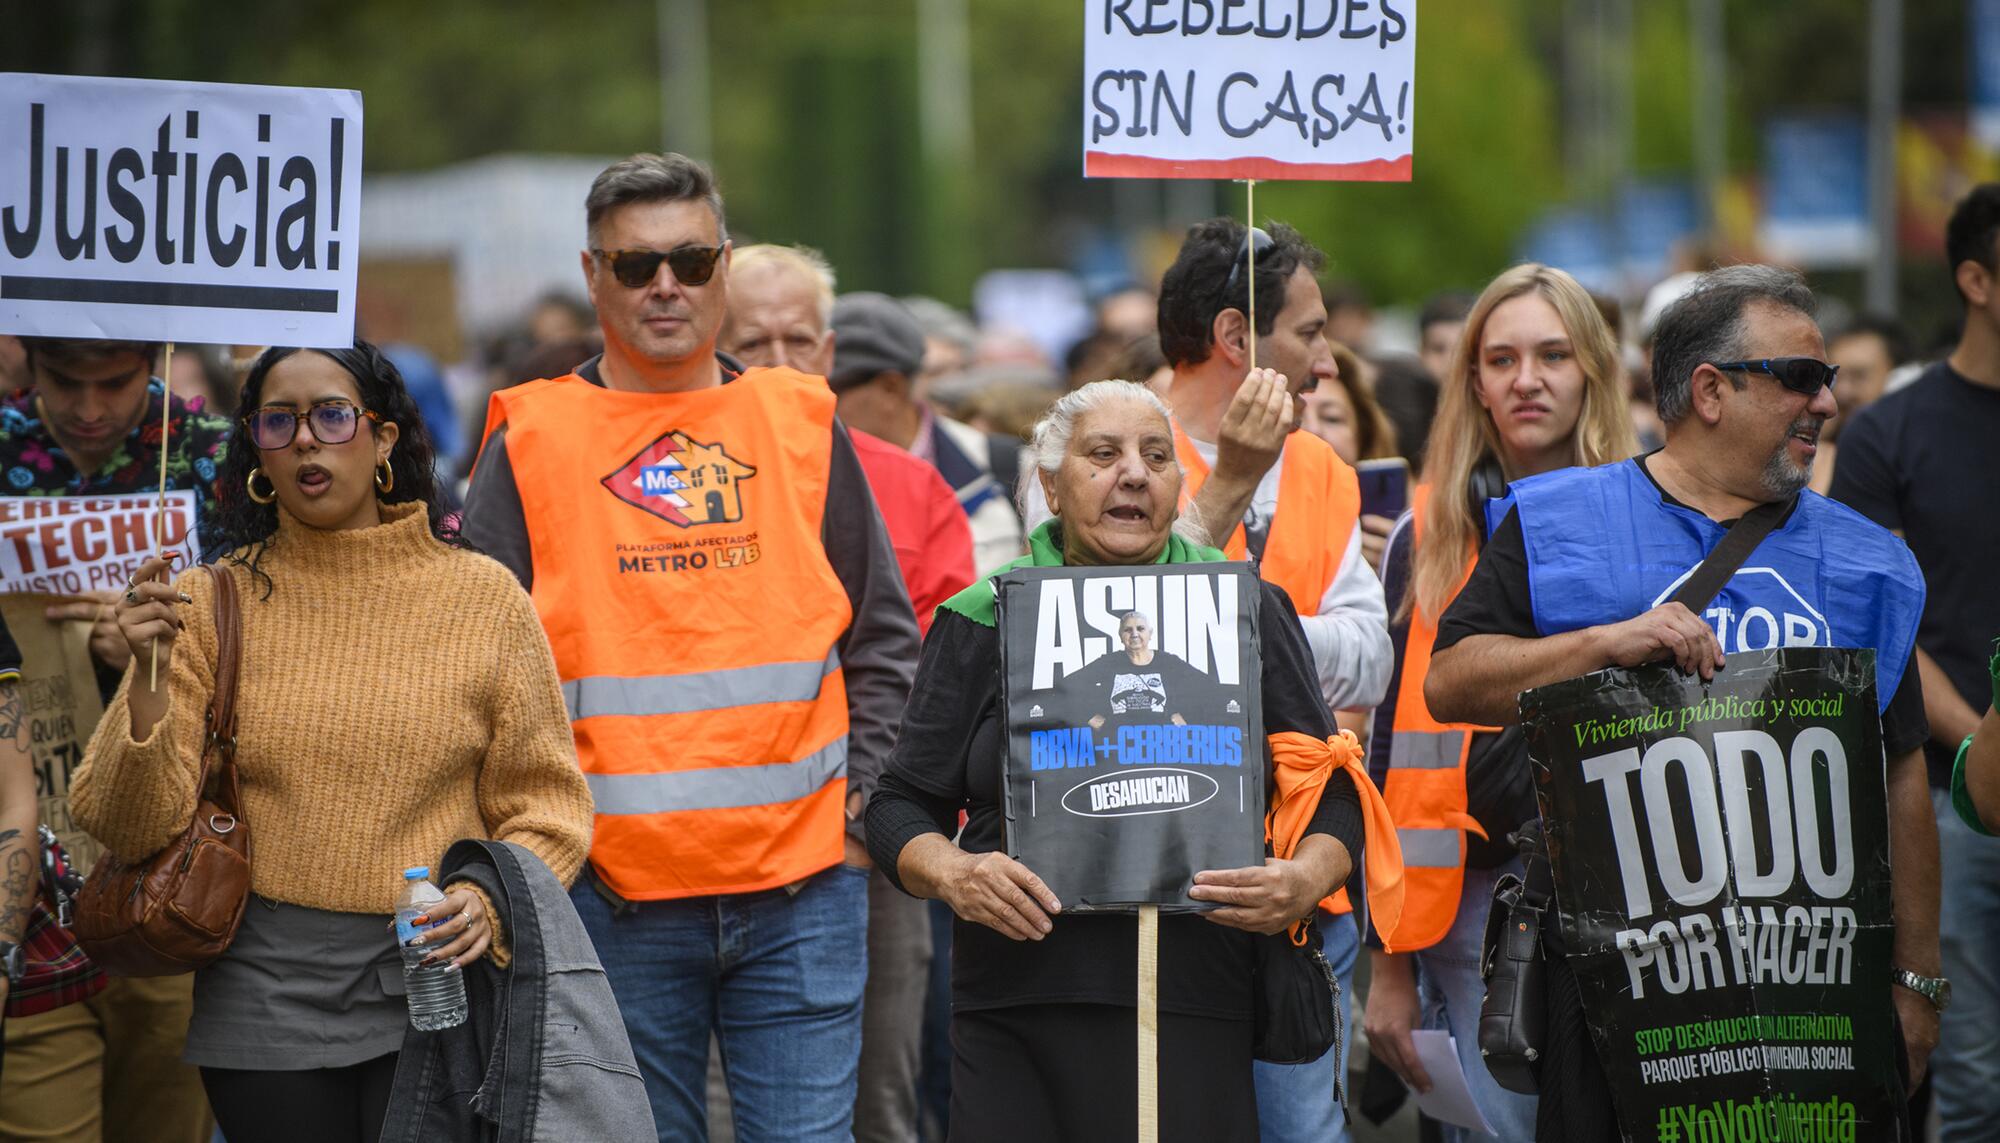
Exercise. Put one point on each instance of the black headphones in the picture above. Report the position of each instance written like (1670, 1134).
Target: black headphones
(1487, 482)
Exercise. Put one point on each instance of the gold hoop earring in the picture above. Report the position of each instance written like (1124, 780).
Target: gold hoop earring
(250, 485)
(385, 478)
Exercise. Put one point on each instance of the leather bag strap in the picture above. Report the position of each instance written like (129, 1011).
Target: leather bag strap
(1743, 536)
(218, 778)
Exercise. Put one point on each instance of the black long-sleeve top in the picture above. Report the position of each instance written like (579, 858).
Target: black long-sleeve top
(948, 758)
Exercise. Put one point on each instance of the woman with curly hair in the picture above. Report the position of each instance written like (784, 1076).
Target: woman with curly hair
(397, 694)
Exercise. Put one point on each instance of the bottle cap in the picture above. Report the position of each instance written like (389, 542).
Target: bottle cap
(416, 872)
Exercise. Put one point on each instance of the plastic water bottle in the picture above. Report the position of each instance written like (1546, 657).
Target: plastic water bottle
(436, 992)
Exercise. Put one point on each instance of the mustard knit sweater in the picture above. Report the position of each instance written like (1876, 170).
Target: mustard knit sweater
(397, 695)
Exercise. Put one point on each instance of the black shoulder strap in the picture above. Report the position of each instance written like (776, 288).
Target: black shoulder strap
(1538, 886)
(1743, 537)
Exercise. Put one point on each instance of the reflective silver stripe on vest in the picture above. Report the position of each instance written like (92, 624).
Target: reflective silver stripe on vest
(607, 695)
(1425, 749)
(721, 787)
(1425, 848)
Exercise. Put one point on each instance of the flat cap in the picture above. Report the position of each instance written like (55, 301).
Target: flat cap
(873, 334)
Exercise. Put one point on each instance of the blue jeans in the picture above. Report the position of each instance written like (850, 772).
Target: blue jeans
(1448, 981)
(1295, 1101)
(776, 976)
(1966, 1066)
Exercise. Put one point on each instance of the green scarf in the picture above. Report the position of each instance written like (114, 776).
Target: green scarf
(1045, 551)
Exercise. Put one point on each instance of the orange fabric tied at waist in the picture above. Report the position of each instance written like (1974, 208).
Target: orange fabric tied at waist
(1302, 766)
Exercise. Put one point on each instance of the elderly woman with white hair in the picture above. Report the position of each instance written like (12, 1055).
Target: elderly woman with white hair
(1043, 1034)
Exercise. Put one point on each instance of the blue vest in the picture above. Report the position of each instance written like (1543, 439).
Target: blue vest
(1604, 545)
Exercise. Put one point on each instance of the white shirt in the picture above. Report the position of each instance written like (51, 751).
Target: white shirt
(1349, 635)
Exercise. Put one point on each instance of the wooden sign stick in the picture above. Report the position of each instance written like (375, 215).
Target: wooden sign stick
(160, 510)
(1250, 256)
(1149, 1024)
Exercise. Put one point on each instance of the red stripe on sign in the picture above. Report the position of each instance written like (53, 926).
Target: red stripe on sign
(1102, 165)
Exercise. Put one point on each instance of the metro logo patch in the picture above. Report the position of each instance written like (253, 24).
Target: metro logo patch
(683, 481)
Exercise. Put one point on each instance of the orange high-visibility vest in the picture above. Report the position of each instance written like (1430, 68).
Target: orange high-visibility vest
(1425, 787)
(1319, 502)
(679, 573)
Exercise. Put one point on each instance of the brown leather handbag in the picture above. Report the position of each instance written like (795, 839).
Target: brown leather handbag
(177, 910)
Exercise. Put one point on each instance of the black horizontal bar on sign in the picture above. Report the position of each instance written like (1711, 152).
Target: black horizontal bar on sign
(13, 287)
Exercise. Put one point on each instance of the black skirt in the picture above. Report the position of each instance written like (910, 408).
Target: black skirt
(1069, 1073)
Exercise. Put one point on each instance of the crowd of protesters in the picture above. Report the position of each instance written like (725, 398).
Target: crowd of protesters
(761, 747)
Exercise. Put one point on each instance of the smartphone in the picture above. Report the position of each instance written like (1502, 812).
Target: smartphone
(1385, 486)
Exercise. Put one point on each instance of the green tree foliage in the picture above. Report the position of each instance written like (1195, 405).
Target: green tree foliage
(816, 111)
(1488, 156)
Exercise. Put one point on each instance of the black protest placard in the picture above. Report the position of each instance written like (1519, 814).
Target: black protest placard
(1721, 858)
(1134, 729)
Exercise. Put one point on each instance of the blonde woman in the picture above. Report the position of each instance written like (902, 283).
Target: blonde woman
(1533, 386)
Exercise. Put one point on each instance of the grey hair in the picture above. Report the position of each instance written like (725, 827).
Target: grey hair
(669, 177)
(1706, 325)
(1048, 444)
(802, 260)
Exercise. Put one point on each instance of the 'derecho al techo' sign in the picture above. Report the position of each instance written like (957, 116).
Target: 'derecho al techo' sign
(1721, 857)
(1135, 751)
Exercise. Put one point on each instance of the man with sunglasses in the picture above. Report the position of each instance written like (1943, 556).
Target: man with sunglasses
(88, 425)
(736, 646)
(1921, 462)
(1743, 389)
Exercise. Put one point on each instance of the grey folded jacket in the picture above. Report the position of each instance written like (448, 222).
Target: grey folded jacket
(542, 1056)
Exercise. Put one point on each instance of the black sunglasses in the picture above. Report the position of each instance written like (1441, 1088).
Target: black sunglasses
(692, 265)
(332, 422)
(1254, 243)
(1804, 375)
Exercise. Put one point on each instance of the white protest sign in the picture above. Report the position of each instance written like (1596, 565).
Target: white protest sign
(1249, 89)
(63, 545)
(198, 212)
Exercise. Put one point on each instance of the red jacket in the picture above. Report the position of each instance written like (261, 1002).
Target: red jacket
(926, 526)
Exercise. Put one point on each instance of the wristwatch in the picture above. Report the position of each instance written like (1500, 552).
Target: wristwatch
(1935, 989)
(16, 963)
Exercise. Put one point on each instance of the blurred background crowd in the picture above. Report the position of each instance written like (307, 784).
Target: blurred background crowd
(930, 150)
